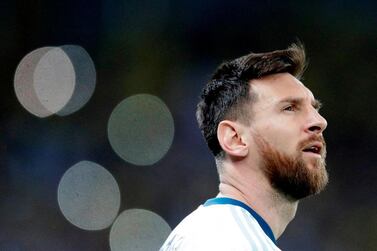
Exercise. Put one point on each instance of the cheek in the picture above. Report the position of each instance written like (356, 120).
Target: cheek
(283, 138)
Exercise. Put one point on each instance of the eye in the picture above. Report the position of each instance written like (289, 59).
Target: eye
(289, 108)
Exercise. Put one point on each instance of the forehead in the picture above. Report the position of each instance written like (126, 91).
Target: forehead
(277, 87)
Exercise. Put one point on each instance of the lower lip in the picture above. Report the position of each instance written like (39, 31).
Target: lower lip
(316, 155)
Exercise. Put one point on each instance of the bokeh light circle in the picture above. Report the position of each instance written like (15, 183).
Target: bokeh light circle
(141, 129)
(85, 78)
(138, 230)
(24, 83)
(55, 80)
(89, 196)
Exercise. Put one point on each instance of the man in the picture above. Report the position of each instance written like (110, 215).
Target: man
(264, 128)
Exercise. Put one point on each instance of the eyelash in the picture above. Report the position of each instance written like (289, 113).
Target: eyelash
(290, 108)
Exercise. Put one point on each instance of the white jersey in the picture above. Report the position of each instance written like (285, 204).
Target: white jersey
(222, 224)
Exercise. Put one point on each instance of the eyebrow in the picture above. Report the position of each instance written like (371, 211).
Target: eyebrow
(315, 102)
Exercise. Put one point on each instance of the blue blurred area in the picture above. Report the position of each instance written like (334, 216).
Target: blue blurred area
(169, 49)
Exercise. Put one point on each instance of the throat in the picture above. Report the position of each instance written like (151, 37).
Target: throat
(284, 210)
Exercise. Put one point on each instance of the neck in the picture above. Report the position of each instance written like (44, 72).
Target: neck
(254, 190)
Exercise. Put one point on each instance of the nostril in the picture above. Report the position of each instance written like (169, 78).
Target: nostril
(315, 128)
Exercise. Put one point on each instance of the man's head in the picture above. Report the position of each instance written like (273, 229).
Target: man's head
(255, 107)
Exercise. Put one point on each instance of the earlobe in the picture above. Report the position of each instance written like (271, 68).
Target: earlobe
(230, 135)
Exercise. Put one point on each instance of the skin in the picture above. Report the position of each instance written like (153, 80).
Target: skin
(285, 115)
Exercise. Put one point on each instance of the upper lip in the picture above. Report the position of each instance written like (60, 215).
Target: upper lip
(317, 146)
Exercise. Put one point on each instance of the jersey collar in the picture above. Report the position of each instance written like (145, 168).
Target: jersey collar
(228, 201)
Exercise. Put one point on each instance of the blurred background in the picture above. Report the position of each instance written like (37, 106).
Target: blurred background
(169, 49)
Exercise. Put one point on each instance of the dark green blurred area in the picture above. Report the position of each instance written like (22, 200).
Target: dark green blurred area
(169, 49)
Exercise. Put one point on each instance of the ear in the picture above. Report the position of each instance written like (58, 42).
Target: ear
(230, 135)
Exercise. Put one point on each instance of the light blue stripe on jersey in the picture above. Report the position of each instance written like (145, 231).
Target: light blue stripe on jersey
(223, 201)
(263, 241)
(243, 229)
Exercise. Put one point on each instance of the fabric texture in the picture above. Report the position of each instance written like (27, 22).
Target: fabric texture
(223, 226)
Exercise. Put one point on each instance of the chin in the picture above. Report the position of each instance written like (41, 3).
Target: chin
(314, 166)
(314, 163)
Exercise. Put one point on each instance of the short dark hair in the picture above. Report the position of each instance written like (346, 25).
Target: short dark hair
(224, 96)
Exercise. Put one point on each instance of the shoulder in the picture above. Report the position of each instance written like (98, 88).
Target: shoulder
(204, 219)
(209, 228)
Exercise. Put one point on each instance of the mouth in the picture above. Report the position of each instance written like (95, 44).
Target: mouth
(315, 149)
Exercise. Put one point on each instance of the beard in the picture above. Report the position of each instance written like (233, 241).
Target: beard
(290, 175)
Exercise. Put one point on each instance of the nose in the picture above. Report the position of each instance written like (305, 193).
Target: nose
(317, 124)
